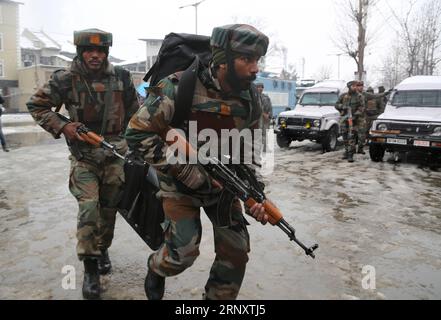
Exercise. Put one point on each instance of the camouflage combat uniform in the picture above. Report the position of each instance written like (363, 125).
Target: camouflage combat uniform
(356, 102)
(374, 107)
(265, 124)
(183, 229)
(104, 105)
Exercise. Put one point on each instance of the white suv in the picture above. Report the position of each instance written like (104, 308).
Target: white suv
(411, 121)
(314, 118)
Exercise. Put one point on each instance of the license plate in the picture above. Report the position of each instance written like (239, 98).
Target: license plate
(421, 143)
(397, 141)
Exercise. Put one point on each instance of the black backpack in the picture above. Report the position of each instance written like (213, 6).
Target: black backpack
(188, 53)
(177, 53)
(180, 52)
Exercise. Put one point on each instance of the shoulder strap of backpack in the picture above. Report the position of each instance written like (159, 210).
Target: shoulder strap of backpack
(185, 93)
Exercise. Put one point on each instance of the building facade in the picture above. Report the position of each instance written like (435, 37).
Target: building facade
(9, 50)
(152, 50)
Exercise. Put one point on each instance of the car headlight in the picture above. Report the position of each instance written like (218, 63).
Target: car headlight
(437, 132)
(282, 120)
(317, 123)
(382, 127)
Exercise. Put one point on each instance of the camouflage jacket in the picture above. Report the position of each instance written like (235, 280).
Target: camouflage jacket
(267, 107)
(356, 101)
(374, 104)
(208, 105)
(104, 105)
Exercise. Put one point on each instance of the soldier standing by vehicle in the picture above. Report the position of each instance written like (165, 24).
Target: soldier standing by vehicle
(375, 104)
(102, 97)
(383, 98)
(354, 100)
(267, 114)
(222, 100)
(372, 108)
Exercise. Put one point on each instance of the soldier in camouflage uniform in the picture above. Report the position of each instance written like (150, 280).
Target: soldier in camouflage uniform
(267, 113)
(222, 100)
(384, 97)
(355, 100)
(102, 97)
(374, 107)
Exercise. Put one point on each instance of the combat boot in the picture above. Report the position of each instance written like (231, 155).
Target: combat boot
(91, 283)
(361, 151)
(350, 157)
(154, 285)
(345, 156)
(104, 264)
(5, 149)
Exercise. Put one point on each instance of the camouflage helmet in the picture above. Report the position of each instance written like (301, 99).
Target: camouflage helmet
(93, 37)
(351, 83)
(240, 38)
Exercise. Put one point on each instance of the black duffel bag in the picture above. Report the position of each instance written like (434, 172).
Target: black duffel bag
(139, 205)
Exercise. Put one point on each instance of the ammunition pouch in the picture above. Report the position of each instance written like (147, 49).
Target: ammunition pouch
(223, 212)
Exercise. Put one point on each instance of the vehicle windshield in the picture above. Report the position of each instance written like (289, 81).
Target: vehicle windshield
(319, 99)
(417, 98)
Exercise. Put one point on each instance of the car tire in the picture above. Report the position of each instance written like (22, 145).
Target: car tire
(282, 141)
(329, 142)
(376, 152)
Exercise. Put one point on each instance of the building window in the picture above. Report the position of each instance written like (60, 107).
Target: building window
(45, 61)
(1, 14)
(2, 71)
(1, 41)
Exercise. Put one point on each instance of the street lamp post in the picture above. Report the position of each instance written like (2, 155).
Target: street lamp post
(195, 5)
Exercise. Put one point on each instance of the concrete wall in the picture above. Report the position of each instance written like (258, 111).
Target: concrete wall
(30, 79)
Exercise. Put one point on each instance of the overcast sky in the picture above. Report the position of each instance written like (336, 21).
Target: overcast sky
(305, 27)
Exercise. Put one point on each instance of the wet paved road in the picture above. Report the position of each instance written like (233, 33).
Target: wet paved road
(366, 214)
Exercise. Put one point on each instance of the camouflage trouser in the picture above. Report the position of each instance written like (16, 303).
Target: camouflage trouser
(358, 136)
(97, 189)
(183, 231)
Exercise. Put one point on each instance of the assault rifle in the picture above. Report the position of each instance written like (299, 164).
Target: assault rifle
(139, 205)
(350, 120)
(92, 138)
(245, 187)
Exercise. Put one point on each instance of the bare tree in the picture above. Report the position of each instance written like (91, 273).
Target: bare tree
(353, 37)
(323, 73)
(420, 29)
(289, 73)
(394, 65)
